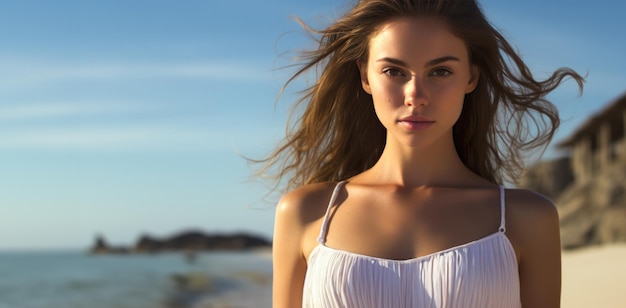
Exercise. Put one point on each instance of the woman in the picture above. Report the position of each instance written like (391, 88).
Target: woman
(421, 111)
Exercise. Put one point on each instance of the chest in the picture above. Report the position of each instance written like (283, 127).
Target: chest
(405, 227)
(478, 274)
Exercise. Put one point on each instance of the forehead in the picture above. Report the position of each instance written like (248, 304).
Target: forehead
(416, 36)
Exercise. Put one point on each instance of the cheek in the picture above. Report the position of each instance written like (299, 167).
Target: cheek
(452, 94)
(387, 93)
(385, 109)
(447, 101)
(386, 104)
(455, 107)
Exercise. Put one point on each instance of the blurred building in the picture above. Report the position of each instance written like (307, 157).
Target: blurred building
(589, 184)
(599, 143)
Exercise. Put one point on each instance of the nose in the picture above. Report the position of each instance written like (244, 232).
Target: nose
(414, 93)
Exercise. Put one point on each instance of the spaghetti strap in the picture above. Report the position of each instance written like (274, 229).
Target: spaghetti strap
(502, 210)
(322, 237)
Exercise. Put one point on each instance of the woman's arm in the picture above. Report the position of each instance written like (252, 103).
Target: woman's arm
(538, 238)
(289, 264)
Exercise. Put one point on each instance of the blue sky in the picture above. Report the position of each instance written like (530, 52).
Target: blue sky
(131, 117)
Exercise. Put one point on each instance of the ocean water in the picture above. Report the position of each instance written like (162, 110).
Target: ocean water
(166, 280)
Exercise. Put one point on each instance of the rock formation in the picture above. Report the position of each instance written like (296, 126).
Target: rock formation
(199, 241)
(189, 241)
(101, 246)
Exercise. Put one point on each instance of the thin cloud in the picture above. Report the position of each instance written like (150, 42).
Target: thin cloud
(28, 111)
(99, 138)
(24, 73)
(132, 138)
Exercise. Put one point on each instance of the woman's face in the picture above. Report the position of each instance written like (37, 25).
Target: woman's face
(418, 73)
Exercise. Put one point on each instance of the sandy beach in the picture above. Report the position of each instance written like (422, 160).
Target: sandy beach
(595, 277)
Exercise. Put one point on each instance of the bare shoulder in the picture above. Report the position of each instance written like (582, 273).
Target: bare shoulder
(531, 218)
(306, 203)
(533, 228)
(299, 216)
(529, 204)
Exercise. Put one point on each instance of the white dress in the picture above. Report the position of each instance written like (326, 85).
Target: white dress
(481, 274)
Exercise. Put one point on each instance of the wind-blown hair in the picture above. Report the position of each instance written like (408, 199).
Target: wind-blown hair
(338, 134)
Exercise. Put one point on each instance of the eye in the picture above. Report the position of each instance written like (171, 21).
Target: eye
(441, 72)
(393, 72)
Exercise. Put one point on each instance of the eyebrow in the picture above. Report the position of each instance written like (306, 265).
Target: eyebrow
(429, 63)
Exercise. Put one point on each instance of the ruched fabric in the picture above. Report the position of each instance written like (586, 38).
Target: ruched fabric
(480, 274)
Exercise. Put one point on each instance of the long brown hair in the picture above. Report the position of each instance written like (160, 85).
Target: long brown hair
(338, 134)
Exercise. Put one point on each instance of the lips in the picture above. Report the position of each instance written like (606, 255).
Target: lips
(416, 122)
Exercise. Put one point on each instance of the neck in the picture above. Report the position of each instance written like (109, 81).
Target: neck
(435, 165)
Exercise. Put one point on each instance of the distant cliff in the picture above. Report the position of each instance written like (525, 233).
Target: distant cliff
(189, 241)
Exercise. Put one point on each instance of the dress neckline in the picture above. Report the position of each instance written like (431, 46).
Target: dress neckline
(495, 235)
(321, 240)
